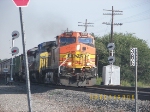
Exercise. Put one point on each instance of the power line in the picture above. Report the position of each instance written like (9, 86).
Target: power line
(86, 25)
(126, 22)
(136, 5)
(99, 19)
(107, 27)
(128, 7)
(135, 15)
(101, 30)
(138, 20)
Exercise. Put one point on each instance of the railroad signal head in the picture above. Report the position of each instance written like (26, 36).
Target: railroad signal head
(111, 59)
(14, 50)
(111, 46)
(15, 34)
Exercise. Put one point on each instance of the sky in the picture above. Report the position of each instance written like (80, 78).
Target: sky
(45, 19)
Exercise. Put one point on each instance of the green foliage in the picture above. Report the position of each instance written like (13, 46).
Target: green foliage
(98, 81)
(125, 83)
(123, 43)
(139, 84)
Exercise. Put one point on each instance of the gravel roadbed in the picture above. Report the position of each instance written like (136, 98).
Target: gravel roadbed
(13, 98)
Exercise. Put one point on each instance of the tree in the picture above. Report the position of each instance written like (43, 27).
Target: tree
(123, 43)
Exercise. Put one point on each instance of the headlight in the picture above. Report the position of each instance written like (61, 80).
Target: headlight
(69, 63)
(87, 64)
(78, 47)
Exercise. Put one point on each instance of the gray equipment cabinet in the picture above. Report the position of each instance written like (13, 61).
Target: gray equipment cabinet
(111, 75)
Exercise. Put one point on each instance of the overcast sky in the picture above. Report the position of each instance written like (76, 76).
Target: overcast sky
(45, 19)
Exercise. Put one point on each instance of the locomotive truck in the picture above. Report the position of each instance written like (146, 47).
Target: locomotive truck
(69, 60)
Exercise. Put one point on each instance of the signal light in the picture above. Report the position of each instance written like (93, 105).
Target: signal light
(14, 51)
(87, 64)
(14, 34)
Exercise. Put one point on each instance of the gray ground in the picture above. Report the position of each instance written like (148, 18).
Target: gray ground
(44, 99)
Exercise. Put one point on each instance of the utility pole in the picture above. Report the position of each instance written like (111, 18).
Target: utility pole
(86, 25)
(112, 20)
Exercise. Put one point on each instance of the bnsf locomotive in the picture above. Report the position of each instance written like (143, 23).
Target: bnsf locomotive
(70, 61)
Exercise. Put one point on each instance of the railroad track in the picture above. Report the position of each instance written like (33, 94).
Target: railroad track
(127, 92)
(123, 88)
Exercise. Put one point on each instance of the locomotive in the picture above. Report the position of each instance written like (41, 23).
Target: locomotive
(69, 60)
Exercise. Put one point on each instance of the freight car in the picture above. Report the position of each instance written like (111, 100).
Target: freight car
(5, 64)
(18, 67)
(70, 61)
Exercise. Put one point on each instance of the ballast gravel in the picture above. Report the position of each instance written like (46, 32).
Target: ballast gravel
(13, 98)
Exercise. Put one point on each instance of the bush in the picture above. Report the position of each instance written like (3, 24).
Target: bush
(98, 81)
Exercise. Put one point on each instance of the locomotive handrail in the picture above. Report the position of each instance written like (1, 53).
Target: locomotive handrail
(61, 65)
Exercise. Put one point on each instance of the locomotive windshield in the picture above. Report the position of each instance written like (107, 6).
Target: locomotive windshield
(86, 40)
(67, 40)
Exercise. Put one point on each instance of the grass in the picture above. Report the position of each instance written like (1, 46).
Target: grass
(98, 81)
(125, 83)
(139, 84)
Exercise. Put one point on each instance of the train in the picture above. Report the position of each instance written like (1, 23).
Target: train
(69, 60)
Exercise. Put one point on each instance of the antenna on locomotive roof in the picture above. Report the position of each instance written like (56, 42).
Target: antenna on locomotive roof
(86, 25)
(66, 30)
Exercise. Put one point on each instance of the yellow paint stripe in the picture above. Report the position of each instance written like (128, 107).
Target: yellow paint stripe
(64, 55)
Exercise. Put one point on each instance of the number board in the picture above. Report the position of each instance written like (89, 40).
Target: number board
(133, 57)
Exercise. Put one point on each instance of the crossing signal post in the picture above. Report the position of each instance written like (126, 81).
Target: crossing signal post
(134, 62)
(14, 51)
(111, 59)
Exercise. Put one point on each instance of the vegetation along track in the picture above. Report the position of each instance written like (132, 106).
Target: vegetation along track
(143, 94)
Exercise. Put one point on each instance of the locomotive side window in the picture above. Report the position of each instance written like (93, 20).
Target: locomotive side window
(86, 40)
(67, 40)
